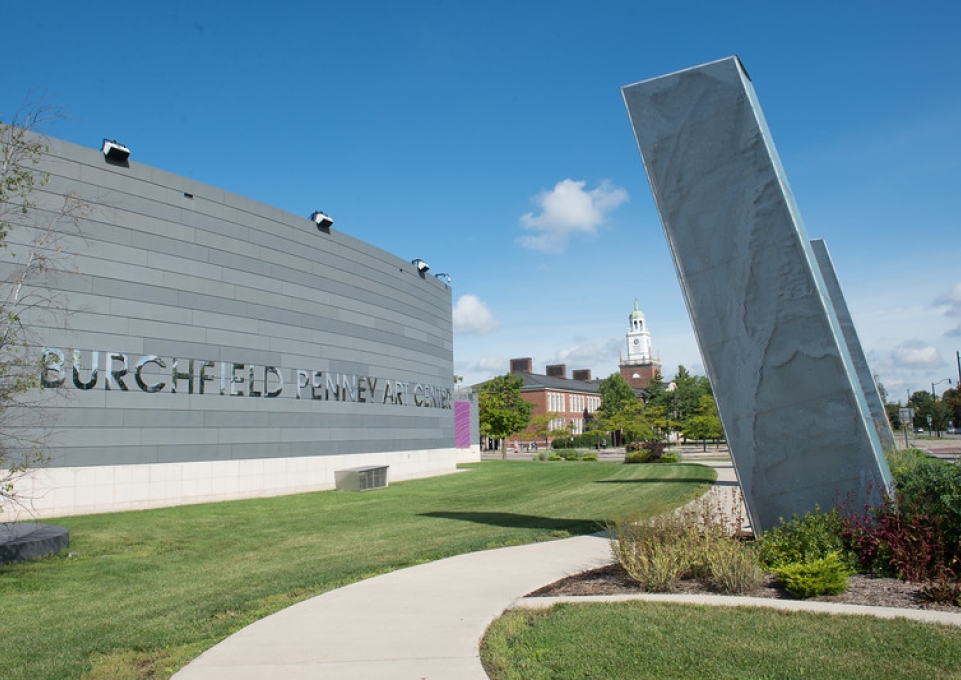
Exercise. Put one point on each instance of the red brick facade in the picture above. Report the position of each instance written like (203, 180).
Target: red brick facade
(554, 392)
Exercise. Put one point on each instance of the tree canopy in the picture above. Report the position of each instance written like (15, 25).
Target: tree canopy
(704, 423)
(616, 395)
(502, 409)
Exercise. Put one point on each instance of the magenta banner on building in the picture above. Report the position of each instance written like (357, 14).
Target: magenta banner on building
(462, 424)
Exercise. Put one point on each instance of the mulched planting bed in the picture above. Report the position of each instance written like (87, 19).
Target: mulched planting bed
(862, 589)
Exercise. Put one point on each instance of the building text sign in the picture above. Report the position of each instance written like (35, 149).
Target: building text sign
(152, 374)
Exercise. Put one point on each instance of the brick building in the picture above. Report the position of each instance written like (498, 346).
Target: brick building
(573, 399)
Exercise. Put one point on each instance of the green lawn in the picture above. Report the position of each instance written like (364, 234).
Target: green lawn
(144, 592)
(655, 640)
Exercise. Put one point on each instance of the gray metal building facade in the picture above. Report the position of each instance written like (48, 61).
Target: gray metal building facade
(217, 348)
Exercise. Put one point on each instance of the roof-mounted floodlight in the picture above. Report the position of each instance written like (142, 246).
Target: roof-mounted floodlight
(321, 220)
(443, 276)
(422, 266)
(115, 151)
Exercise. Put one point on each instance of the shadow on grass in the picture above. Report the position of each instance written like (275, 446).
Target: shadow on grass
(653, 481)
(515, 521)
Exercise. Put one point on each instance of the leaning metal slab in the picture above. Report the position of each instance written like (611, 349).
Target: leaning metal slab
(793, 412)
(879, 418)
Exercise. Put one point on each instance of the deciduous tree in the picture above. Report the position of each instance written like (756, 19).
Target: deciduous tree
(616, 395)
(29, 249)
(502, 409)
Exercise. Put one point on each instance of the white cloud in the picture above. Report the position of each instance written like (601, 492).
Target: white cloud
(592, 355)
(916, 354)
(472, 316)
(489, 363)
(568, 209)
(951, 300)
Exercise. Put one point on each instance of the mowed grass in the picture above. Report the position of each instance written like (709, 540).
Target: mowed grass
(655, 640)
(142, 593)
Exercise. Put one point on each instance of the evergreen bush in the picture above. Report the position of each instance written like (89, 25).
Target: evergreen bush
(803, 540)
(825, 576)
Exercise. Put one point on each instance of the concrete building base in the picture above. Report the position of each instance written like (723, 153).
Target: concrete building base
(56, 492)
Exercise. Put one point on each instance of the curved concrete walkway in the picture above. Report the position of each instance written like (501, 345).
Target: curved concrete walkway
(426, 622)
(420, 622)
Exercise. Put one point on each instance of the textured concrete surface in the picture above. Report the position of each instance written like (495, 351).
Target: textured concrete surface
(787, 393)
(879, 417)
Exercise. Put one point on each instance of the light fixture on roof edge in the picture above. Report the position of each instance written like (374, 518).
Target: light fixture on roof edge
(422, 266)
(114, 151)
(443, 276)
(321, 220)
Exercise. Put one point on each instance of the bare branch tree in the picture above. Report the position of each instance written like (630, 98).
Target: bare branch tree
(30, 249)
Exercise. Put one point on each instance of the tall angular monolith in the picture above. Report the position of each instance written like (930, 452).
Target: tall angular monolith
(879, 418)
(794, 415)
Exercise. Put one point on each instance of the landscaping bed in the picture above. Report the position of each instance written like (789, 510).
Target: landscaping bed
(862, 589)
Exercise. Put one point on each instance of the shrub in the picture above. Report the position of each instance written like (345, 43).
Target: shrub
(669, 458)
(570, 454)
(803, 540)
(933, 488)
(917, 534)
(588, 440)
(656, 449)
(891, 544)
(944, 589)
(637, 457)
(733, 567)
(825, 576)
(901, 461)
(589, 456)
(654, 552)
(696, 541)
(555, 457)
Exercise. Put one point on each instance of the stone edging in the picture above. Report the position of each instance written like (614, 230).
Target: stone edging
(923, 615)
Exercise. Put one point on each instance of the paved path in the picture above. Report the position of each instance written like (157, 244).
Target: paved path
(425, 622)
(421, 622)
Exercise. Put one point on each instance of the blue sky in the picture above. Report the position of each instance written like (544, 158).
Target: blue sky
(490, 139)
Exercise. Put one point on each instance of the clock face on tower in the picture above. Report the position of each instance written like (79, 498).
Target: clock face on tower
(636, 341)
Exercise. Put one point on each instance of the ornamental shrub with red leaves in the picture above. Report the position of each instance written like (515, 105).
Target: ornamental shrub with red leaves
(915, 536)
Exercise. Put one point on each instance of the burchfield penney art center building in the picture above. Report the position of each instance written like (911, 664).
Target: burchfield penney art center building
(218, 348)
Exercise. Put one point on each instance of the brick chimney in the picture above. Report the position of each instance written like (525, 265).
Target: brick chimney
(557, 371)
(583, 374)
(525, 365)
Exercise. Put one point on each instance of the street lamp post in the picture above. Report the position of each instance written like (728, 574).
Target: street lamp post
(947, 380)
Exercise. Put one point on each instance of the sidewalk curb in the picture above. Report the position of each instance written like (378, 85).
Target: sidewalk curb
(922, 615)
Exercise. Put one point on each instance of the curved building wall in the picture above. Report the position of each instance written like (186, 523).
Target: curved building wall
(219, 348)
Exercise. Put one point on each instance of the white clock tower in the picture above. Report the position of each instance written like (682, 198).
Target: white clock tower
(638, 338)
(640, 366)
